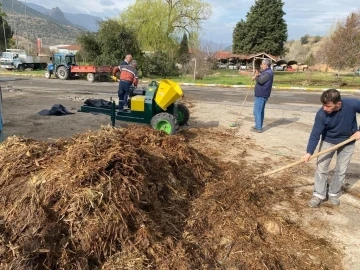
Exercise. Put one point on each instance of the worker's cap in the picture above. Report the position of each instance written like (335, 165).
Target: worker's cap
(134, 63)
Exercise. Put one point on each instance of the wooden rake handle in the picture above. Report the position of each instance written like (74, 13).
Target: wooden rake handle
(313, 156)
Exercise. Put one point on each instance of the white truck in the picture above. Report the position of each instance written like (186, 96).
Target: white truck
(18, 59)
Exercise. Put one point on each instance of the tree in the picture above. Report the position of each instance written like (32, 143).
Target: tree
(304, 40)
(342, 47)
(264, 30)
(183, 54)
(317, 39)
(239, 35)
(297, 51)
(5, 36)
(310, 60)
(110, 44)
(158, 23)
(159, 64)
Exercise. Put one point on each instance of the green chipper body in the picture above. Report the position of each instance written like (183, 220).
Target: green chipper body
(157, 105)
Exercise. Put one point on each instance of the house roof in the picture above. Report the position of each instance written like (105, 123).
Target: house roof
(227, 55)
(263, 54)
(70, 47)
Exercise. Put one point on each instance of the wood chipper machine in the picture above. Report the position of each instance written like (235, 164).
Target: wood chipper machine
(156, 105)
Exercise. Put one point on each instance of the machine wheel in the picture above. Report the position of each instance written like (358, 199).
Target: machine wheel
(63, 73)
(183, 114)
(47, 74)
(165, 122)
(90, 77)
(21, 67)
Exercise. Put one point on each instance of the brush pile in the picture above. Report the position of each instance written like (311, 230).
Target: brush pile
(138, 199)
(113, 197)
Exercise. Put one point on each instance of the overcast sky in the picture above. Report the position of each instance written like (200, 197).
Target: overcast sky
(313, 17)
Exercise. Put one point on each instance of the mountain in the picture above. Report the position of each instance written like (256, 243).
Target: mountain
(57, 15)
(31, 24)
(85, 21)
(210, 46)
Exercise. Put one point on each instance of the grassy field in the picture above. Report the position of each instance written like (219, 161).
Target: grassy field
(233, 77)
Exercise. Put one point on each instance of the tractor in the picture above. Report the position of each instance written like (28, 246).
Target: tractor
(61, 66)
(157, 105)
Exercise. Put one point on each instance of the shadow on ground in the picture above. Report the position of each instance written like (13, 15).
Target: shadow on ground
(281, 122)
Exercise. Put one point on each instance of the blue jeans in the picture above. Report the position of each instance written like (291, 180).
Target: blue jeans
(259, 111)
(343, 158)
(123, 93)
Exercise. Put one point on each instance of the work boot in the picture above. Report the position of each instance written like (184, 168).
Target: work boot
(314, 202)
(253, 129)
(334, 200)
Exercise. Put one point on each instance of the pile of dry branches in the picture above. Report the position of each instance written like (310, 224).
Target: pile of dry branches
(138, 199)
(113, 197)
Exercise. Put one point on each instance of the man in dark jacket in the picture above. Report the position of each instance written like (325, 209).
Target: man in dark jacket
(264, 81)
(335, 122)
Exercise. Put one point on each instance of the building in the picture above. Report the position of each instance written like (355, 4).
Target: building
(66, 49)
(240, 61)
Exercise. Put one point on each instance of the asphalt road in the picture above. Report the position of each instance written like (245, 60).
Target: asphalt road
(197, 93)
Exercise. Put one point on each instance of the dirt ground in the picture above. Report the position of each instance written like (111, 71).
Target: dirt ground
(287, 127)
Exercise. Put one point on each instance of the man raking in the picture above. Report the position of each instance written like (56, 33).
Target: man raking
(334, 123)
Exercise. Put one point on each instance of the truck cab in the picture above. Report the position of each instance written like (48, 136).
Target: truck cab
(20, 60)
(60, 65)
(10, 59)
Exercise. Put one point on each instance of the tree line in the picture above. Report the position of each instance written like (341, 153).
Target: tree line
(159, 34)
(162, 28)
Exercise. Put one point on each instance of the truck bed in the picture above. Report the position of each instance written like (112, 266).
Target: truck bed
(91, 69)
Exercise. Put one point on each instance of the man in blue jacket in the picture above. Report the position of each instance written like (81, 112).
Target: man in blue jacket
(334, 123)
(264, 81)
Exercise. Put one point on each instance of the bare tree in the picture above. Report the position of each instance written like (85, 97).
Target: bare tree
(342, 48)
(297, 51)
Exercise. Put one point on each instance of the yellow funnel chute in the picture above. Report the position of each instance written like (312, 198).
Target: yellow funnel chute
(168, 92)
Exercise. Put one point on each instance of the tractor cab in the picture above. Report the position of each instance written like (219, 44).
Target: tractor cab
(60, 65)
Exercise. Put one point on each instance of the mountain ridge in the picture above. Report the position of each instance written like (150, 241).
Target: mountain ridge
(29, 25)
(85, 21)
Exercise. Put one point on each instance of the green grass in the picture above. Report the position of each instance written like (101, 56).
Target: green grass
(232, 77)
(282, 79)
(35, 73)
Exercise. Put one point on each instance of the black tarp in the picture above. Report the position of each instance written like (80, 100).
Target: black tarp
(97, 103)
(57, 110)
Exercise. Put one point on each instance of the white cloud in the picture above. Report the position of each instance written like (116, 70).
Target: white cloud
(313, 17)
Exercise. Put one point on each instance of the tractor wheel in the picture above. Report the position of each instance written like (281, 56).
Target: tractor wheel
(90, 77)
(183, 114)
(21, 67)
(47, 74)
(165, 122)
(63, 73)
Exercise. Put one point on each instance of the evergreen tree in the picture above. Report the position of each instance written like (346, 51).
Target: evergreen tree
(183, 54)
(304, 39)
(264, 30)
(110, 44)
(239, 35)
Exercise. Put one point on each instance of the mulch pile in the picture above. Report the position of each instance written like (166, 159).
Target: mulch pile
(136, 198)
